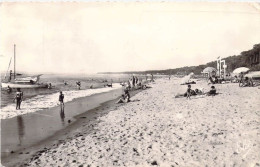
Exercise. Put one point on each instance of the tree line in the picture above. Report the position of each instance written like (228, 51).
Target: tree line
(248, 59)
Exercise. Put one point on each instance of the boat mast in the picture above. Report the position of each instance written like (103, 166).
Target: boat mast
(14, 61)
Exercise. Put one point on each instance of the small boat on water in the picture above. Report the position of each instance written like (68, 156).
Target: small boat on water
(26, 82)
(23, 82)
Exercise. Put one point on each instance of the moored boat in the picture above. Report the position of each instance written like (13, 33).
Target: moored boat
(22, 82)
(19, 85)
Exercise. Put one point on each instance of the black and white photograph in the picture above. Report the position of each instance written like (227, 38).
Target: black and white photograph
(130, 83)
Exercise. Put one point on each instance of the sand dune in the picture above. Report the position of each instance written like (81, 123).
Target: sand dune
(158, 129)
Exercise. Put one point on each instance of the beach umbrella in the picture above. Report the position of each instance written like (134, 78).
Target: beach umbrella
(241, 70)
(187, 78)
(209, 70)
(191, 74)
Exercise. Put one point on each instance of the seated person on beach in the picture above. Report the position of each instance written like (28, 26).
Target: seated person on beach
(212, 91)
(125, 98)
(247, 82)
(235, 80)
(122, 99)
(188, 93)
(144, 87)
(198, 92)
(126, 92)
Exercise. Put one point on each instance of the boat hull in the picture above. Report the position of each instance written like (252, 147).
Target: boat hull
(17, 85)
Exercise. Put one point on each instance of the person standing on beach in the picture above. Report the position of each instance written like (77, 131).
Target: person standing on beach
(189, 92)
(61, 99)
(129, 83)
(136, 80)
(133, 81)
(19, 98)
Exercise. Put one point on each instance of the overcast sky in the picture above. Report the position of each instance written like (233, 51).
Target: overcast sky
(97, 37)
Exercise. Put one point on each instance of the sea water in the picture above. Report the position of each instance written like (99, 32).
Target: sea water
(42, 98)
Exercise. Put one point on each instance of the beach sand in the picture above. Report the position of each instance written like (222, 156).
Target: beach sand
(158, 129)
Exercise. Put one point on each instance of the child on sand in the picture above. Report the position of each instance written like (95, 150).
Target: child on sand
(212, 91)
(189, 92)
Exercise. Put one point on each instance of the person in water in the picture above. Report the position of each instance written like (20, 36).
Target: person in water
(78, 84)
(19, 98)
(49, 86)
(9, 89)
(65, 83)
(61, 99)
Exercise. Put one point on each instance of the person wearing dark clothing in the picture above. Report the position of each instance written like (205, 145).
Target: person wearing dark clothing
(189, 92)
(61, 99)
(78, 84)
(19, 98)
(127, 94)
(212, 91)
(133, 81)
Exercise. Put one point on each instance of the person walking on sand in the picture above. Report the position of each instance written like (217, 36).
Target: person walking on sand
(189, 92)
(61, 99)
(19, 98)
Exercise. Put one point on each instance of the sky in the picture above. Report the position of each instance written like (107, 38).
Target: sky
(91, 37)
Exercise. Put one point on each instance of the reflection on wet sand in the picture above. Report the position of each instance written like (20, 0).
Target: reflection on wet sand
(20, 125)
(62, 115)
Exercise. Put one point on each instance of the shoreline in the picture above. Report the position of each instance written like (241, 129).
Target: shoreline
(24, 154)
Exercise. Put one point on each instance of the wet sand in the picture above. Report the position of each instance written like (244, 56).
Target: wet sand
(156, 129)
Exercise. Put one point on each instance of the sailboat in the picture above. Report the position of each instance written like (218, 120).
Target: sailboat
(23, 82)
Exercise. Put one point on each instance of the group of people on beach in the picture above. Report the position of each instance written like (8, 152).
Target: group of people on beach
(133, 83)
(190, 92)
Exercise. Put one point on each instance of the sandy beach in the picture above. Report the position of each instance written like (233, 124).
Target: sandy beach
(158, 129)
